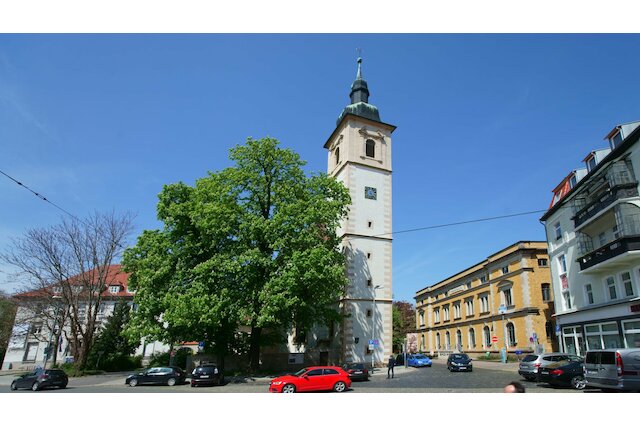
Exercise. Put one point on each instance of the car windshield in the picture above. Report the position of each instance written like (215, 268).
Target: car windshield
(460, 357)
(300, 372)
(530, 358)
(420, 356)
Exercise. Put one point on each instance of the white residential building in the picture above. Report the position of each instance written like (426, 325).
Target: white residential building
(593, 232)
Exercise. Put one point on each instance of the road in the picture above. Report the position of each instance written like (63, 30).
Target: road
(436, 379)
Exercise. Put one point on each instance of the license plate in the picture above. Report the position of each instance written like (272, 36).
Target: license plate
(462, 367)
(204, 376)
(357, 372)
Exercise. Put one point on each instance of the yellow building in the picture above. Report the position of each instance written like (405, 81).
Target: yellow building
(504, 301)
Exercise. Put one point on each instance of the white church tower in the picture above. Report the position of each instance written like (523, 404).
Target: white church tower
(360, 156)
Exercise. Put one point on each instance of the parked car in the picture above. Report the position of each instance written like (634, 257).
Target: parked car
(313, 378)
(566, 373)
(418, 360)
(160, 375)
(616, 369)
(459, 362)
(41, 378)
(356, 371)
(530, 365)
(206, 375)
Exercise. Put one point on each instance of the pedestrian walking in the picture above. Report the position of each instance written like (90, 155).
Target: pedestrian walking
(390, 365)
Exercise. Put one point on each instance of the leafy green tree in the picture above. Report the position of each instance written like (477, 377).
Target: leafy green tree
(7, 315)
(253, 245)
(112, 349)
(403, 319)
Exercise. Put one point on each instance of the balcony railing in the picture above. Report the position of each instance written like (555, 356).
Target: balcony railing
(617, 192)
(610, 250)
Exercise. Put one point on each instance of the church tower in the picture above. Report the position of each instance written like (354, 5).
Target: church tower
(359, 155)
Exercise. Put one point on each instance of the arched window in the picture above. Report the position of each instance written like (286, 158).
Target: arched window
(370, 148)
(447, 340)
(422, 347)
(487, 337)
(472, 338)
(459, 340)
(337, 155)
(511, 335)
(438, 340)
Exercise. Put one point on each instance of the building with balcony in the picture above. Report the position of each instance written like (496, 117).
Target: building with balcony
(505, 301)
(593, 232)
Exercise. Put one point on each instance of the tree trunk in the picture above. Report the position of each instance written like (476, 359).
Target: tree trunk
(254, 349)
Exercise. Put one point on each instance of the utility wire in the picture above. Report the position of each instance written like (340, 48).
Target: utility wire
(411, 230)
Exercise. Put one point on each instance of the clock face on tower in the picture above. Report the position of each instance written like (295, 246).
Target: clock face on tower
(370, 193)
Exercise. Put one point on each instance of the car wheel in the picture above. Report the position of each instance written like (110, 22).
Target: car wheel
(133, 382)
(289, 388)
(35, 386)
(578, 382)
(64, 385)
(171, 382)
(470, 369)
(339, 387)
(13, 386)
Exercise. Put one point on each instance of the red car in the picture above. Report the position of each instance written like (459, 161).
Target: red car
(313, 378)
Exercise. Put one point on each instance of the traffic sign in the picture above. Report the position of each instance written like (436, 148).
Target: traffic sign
(535, 336)
(494, 339)
(374, 343)
(502, 309)
(518, 352)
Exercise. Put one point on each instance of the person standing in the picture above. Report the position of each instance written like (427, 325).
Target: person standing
(390, 365)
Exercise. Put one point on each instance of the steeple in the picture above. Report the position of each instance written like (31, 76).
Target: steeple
(360, 99)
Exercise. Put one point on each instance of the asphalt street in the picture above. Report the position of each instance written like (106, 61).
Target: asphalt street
(436, 379)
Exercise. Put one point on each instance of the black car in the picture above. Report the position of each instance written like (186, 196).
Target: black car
(564, 374)
(41, 378)
(356, 371)
(459, 362)
(206, 374)
(160, 375)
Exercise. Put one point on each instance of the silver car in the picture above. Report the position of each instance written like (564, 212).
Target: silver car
(617, 369)
(530, 365)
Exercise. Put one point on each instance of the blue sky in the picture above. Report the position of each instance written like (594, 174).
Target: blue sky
(488, 125)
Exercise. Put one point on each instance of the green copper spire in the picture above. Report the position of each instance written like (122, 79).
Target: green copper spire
(360, 99)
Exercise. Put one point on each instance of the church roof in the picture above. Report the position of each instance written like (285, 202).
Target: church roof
(360, 100)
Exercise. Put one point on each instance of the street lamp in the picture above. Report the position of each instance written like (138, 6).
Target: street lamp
(373, 316)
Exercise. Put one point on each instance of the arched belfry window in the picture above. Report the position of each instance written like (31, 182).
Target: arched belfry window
(337, 155)
(370, 147)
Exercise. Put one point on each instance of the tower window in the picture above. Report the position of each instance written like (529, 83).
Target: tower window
(370, 147)
(369, 282)
(370, 224)
(368, 255)
(337, 155)
(369, 313)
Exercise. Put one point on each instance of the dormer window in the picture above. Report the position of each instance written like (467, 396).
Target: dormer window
(370, 148)
(591, 163)
(615, 140)
(114, 289)
(573, 180)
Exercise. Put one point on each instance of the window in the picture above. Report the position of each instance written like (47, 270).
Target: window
(469, 306)
(445, 314)
(508, 301)
(542, 262)
(591, 163)
(602, 335)
(486, 335)
(627, 285)
(573, 181)
(602, 238)
(422, 346)
(511, 335)
(472, 338)
(615, 140)
(370, 148)
(588, 294)
(612, 291)
(468, 285)
(456, 310)
(557, 230)
(459, 339)
(370, 224)
(422, 318)
(438, 340)
(484, 303)
(36, 328)
(505, 270)
(484, 279)
(631, 331)
(562, 263)
(436, 315)
(447, 340)
(114, 289)
(369, 313)
(369, 282)
(616, 233)
(368, 255)
(567, 300)
(546, 292)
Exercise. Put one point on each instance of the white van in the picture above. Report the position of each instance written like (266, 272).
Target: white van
(617, 369)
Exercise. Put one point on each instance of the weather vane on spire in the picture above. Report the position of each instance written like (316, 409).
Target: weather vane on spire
(359, 50)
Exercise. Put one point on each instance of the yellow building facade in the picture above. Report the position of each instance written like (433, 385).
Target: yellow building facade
(506, 301)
